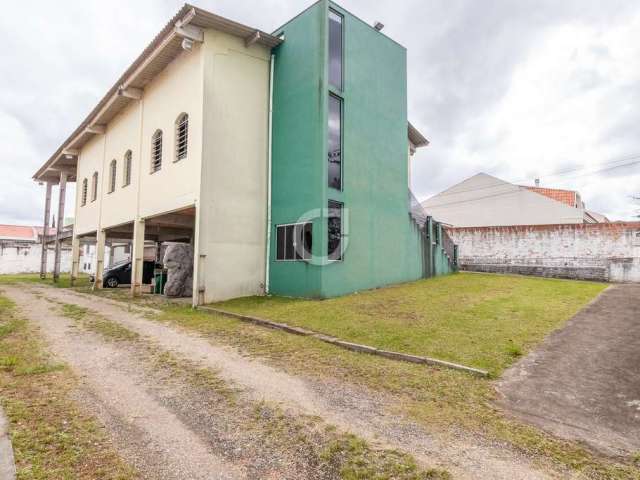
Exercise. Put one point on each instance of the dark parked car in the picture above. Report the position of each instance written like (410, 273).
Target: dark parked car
(120, 273)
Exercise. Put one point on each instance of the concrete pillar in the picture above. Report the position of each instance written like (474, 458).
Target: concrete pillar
(137, 257)
(61, 200)
(45, 231)
(101, 239)
(430, 248)
(75, 258)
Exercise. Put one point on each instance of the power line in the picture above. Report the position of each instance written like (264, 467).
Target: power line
(557, 174)
(511, 186)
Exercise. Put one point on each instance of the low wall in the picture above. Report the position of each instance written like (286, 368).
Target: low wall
(604, 251)
(26, 259)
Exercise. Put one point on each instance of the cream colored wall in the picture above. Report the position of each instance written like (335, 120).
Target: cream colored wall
(232, 217)
(123, 134)
(177, 185)
(224, 87)
(89, 161)
(176, 90)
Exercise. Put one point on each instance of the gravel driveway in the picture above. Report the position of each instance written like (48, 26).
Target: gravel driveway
(161, 428)
(583, 382)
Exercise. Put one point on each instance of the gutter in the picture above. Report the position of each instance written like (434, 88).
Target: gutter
(269, 161)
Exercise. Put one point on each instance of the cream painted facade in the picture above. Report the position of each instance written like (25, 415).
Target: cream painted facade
(223, 86)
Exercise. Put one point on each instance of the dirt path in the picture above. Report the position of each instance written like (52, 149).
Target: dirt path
(123, 393)
(583, 382)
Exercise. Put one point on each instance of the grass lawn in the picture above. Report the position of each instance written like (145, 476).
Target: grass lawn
(52, 438)
(63, 282)
(445, 401)
(479, 320)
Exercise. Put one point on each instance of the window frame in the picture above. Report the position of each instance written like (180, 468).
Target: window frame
(182, 118)
(341, 102)
(307, 255)
(94, 186)
(339, 206)
(340, 87)
(126, 168)
(157, 135)
(84, 192)
(113, 172)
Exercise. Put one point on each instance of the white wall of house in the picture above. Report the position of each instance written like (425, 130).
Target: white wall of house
(484, 200)
(123, 134)
(27, 259)
(90, 160)
(88, 256)
(175, 90)
(233, 206)
(223, 86)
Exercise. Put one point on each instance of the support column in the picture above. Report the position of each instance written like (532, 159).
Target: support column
(137, 257)
(101, 238)
(430, 249)
(45, 231)
(75, 258)
(61, 200)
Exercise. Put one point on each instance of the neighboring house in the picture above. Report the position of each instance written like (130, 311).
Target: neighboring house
(114, 253)
(21, 250)
(275, 155)
(484, 200)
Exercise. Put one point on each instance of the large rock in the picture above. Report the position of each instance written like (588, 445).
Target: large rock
(178, 260)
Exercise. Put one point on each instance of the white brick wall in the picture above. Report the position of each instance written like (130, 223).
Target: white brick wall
(27, 260)
(607, 251)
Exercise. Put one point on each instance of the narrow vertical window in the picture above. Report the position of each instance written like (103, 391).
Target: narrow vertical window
(334, 231)
(182, 136)
(85, 189)
(126, 169)
(156, 151)
(94, 187)
(335, 49)
(112, 175)
(335, 143)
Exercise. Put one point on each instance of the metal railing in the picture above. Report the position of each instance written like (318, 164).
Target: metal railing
(448, 245)
(417, 212)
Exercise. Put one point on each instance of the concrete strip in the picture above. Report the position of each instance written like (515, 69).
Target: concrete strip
(7, 462)
(355, 347)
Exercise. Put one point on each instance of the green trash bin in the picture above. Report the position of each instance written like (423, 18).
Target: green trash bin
(159, 281)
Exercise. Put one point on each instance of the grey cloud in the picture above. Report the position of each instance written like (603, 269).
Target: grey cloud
(462, 55)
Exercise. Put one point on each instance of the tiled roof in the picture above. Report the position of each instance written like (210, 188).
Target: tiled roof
(18, 232)
(565, 196)
(21, 232)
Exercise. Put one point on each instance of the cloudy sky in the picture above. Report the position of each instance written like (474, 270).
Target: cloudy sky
(516, 88)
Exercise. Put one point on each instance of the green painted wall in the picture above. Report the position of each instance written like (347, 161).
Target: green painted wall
(383, 245)
(298, 144)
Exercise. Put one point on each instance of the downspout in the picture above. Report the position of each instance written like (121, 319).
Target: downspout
(269, 160)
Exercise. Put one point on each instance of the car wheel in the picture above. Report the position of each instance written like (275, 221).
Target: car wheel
(112, 282)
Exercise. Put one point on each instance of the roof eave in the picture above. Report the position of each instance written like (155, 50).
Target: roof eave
(416, 138)
(113, 102)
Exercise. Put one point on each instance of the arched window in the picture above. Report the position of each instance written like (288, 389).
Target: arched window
(113, 169)
(156, 151)
(94, 187)
(126, 169)
(85, 189)
(182, 136)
